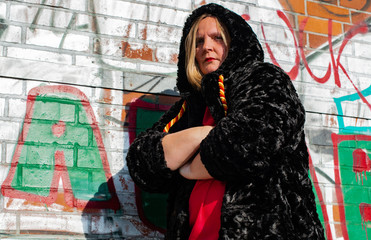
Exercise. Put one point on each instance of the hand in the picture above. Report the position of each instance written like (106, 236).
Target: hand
(195, 170)
(180, 146)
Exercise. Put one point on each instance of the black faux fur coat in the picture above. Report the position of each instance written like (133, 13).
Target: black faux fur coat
(258, 149)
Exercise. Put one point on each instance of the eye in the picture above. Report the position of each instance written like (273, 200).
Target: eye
(199, 41)
(218, 37)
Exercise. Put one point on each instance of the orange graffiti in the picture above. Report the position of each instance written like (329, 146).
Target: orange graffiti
(343, 13)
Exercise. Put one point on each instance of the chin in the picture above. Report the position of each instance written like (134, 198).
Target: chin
(209, 70)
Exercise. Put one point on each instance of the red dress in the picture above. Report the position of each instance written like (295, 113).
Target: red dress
(205, 203)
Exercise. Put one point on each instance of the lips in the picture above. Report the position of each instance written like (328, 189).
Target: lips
(210, 59)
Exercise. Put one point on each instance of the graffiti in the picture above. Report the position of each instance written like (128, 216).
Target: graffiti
(151, 207)
(351, 166)
(60, 140)
(362, 28)
(361, 163)
(346, 178)
(60, 159)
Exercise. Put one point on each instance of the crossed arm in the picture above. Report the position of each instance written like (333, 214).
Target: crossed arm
(179, 148)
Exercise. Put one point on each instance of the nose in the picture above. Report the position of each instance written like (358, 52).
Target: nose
(207, 44)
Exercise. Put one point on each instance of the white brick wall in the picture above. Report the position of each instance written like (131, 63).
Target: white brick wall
(81, 44)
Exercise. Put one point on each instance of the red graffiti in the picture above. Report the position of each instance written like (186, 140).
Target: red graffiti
(59, 128)
(320, 198)
(365, 210)
(361, 163)
(293, 73)
(361, 28)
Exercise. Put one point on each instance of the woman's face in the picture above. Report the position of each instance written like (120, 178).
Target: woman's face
(211, 50)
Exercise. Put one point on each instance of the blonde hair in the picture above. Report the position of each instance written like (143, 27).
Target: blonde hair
(193, 72)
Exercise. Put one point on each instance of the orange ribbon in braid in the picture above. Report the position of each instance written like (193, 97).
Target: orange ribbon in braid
(222, 94)
(174, 120)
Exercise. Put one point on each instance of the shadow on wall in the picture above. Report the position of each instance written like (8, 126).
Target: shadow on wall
(151, 208)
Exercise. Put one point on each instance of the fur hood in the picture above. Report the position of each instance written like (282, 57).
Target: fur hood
(244, 45)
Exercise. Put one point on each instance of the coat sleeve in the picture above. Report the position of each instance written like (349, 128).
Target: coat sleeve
(265, 118)
(145, 157)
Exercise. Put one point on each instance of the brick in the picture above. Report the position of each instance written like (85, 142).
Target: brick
(356, 109)
(39, 132)
(297, 6)
(358, 17)
(319, 136)
(89, 158)
(357, 65)
(154, 84)
(11, 34)
(76, 42)
(11, 86)
(37, 55)
(269, 4)
(356, 122)
(320, 26)
(106, 63)
(166, 54)
(51, 222)
(87, 91)
(2, 107)
(330, 121)
(316, 40)
(4, 169)
(99, 184)
(107, 26)
(158, 68)
(238, 8)
(54, 111)
(124, 183)
(159, 33)
(36, 178)
(39, 155)
(113, 117)
(356, 4)
(226, 4)
(313, 119)
(364, 82)
(108, 46)
(8, 222)
(9, 130)
(80, 179)
(10, 147)
(128, 202)
(117, 160)
(283, 52)
(75, 5)
(44, 37)
(362, 50)
(79, 5)
(135, 50)
(328, 11)
(167, 16)
(279, 35)
(117, 226)
(40, 16)
(14, 204)
(113, 139)
(109, 96)
(122, 9)
(3, 10)
(270, 16)
(173, 3)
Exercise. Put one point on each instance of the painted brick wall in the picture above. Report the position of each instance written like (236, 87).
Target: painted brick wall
(80, 78)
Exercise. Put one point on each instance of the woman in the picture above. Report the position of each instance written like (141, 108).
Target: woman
(231, 153)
